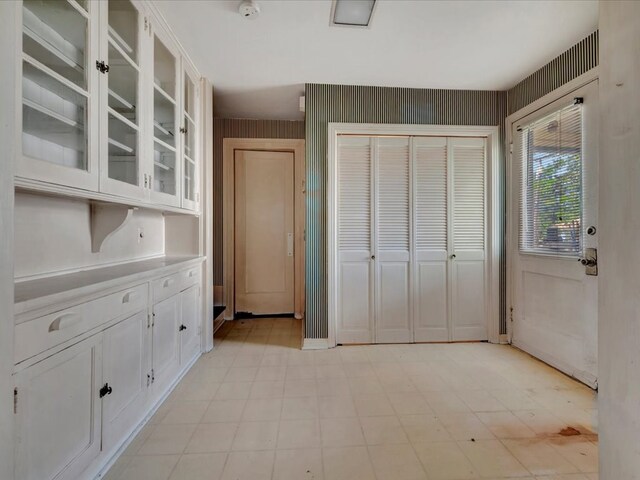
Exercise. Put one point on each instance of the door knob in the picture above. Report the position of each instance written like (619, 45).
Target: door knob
(452, 256)
(373, 257)
(588, 262)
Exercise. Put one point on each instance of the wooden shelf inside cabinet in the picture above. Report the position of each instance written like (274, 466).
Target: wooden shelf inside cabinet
(107, 219)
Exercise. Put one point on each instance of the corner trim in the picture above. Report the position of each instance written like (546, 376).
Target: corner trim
(315, 344)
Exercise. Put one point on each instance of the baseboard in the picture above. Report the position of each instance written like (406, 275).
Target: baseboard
(315, 344)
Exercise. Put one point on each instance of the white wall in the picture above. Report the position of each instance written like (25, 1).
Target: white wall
(53, 234)
(619, 230)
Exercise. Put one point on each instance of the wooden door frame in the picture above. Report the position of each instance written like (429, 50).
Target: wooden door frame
(295, 146)
(493, 177)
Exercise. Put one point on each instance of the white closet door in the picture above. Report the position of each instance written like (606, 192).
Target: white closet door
(430, 204)
(355, 280)
(392, 253)
(467, 237)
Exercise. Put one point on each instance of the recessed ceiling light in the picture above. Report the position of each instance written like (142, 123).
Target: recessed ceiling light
(352, 13)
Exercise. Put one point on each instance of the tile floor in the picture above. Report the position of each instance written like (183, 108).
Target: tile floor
(257, 408)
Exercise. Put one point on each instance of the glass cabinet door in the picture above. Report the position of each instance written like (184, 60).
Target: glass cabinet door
(123, 99)
(189, 131)
(57, 88)
(164, 184)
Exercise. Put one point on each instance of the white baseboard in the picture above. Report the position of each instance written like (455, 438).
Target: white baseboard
(315, 344)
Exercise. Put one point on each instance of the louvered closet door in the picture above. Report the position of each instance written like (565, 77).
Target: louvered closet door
(355, 275)
(392, 253)
(430, 274)
(467, 239)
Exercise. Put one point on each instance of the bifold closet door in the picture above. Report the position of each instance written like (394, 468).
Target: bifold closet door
(430, 167)
(467, 212)
(392, 253)
(355, 272)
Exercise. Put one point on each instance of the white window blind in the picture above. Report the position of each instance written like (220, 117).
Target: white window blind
(468, 193)
(393, 194)
(430, 157)
(551, 203)
(355, 193)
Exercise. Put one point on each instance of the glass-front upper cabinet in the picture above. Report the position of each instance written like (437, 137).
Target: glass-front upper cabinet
(190, 138)
(121, 170)
(59, 93)
(165, 187)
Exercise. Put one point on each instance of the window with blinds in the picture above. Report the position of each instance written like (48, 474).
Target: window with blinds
(551, 205)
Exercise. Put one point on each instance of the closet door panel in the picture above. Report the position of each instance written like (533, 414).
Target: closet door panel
(431, 223)
(468, 212)
(393, 255)
(355, 280)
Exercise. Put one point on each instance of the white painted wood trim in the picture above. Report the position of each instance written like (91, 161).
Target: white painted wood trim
(10, 74)
(493, 206)
(315, 344)
(511, 236)
(295, 146)
(205, 188)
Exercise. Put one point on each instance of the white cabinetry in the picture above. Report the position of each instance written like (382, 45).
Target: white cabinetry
(165, 334)
(189, 326)
(58, 413)
(109, 104)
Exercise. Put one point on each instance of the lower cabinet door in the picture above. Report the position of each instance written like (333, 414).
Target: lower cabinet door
(165, 351)
(126, 364)
(190, 321)
(58, 413)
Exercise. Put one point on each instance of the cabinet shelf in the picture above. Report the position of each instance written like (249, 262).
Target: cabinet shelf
(121, 146)
(53, 127)
(162, 166)
(127, 105)
(120, 41)
(159, 126)
(162, 92)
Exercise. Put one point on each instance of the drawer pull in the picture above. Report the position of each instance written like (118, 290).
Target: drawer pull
(192, 273)
(168, 282)
(63, 321)
(129, 297)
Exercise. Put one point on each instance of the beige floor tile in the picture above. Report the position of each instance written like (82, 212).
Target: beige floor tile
(373, 405)
(333, 387)
(198, 390)
(274, 360)
(271, 373)
(116, 470)
(138, 441)
(365, 385)
(359, 370)
(383, 430)
(262, 409)
(156, 467)
(409, 403)
(539, 457)
(424, 428)
(233, 391)
(445, 402)
(200, 466)
(481, 401)
(256, 436)
(541, 421)
(341, 432)
(444, 461)
(492, 460)
(299, 408)
(299, 464)
(396, 462)
(224, 411)
(299, 434)
(579, 451)
(465, 426)
(270, 389)
(330, 371)
(515, 399)
(300, 388)
(505, 425)
(167, 439)
(212, 437)
(336, 407)
(256, 465)
(347, 463)
(300, 372)
(241, 374)
(186, 412)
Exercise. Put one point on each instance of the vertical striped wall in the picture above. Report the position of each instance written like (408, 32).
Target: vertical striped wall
(239, 128)
(340, 103)
(580, 58)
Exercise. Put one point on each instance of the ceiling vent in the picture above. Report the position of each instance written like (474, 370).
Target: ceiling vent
(352, 13)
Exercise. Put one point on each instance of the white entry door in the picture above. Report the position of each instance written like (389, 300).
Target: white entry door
(554, 227)
(264, 242)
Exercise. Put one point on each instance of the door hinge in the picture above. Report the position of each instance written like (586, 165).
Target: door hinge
(146, 24)
(183, 130)
(102, 67)
(511, 147)
(148, 379)
(15, 400)
(153, 375)
(304, 235)
(105, 390)
(149, 320)
(511, 314)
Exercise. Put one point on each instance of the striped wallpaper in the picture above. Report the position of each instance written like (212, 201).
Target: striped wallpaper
(341, 103)
(239, 128)
(580, 58)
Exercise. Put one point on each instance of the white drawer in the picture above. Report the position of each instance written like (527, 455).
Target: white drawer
(36, 336)
(191, 276)
(167, 286)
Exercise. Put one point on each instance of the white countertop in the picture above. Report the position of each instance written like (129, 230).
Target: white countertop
(34, 294)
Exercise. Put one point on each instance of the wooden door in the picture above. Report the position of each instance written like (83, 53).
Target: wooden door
(264, 235)
(58, 413)
(125, 368)
(392, 254)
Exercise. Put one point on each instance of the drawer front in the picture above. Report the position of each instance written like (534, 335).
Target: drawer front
(191, 276)
(166, 286)
(36, 336)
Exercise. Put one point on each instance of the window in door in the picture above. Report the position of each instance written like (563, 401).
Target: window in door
(551, 203)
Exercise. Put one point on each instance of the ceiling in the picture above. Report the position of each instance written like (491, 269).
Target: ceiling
(259, 66)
